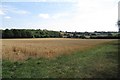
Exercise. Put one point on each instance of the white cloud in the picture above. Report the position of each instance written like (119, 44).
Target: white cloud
(11, 9)
(7, 17)
(60, 15)
(44, 16)
(53, 16)
(1, 12)
(17, 11)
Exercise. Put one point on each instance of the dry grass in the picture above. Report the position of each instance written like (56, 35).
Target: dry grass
(21, 49)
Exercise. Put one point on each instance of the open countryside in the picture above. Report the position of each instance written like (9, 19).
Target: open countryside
(59, 39)
(59, 58)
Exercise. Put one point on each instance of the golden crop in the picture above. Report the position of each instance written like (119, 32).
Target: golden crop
(21, 49)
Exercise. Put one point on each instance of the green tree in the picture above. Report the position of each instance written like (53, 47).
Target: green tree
(16, 33)
(23, 34)
(8, 34)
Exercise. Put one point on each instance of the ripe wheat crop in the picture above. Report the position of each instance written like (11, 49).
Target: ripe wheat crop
(22, 49)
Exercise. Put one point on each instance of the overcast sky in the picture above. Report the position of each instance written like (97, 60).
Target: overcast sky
(65, 15)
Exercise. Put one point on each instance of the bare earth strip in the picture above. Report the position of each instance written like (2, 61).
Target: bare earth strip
(21, 49)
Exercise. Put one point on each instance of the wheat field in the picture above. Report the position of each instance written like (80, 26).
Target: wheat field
(22, 49)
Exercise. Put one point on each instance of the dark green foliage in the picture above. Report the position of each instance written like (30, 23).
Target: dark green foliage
(29, 33)
(7, 33)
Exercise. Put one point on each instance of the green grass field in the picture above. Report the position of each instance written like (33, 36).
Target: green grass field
(98, 62)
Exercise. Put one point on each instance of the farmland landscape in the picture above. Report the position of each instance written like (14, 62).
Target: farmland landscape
(42, 39)
(59, 58)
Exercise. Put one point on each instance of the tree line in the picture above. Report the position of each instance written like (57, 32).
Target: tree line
(29, 33)
(32, 33)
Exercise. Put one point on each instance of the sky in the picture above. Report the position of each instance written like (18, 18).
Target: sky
(60, 15)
